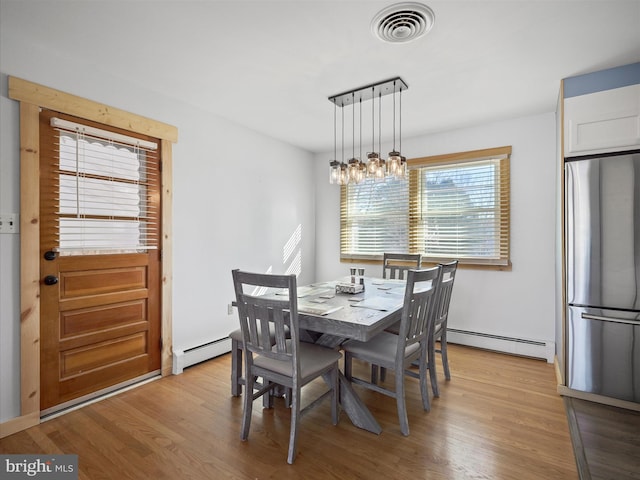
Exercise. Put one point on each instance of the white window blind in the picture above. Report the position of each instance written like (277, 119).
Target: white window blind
(374, 219)
(460, 210)
(106, 181)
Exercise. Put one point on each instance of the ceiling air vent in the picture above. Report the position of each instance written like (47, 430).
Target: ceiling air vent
(402, 22)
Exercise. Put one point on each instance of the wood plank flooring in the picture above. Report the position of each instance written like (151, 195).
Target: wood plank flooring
(498, 418)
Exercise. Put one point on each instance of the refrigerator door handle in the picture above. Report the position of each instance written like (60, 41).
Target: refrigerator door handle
(588, 316)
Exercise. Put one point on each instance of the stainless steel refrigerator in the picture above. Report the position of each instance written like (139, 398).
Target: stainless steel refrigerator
(603, 274)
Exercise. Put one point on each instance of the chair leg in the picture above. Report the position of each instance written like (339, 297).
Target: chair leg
(374, 374)
(400, 401)
(445, 357)
(295, 420)
(236, 368)
(424, 391)
(267, 398)
(334, 396)
(433, 374)
(248, 406)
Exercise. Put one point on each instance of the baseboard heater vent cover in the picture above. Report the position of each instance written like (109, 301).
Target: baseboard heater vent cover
(518, 346)
(190, 356)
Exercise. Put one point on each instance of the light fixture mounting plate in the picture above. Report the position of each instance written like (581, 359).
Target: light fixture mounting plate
(385, 87)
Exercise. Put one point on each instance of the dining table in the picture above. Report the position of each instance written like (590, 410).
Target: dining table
(329, 318)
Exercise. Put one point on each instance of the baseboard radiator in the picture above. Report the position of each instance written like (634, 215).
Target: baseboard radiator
(185, 358)
(517, 346)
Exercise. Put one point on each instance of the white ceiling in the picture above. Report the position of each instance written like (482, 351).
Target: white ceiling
(270, 65)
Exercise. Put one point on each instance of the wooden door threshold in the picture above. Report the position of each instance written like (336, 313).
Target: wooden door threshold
(94, 397)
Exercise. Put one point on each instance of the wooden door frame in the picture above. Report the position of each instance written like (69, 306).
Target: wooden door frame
(32, 97)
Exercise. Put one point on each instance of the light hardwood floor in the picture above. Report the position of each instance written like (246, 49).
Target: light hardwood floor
(498, 418)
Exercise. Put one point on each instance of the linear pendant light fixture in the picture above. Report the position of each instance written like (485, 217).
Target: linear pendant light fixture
(356, 170)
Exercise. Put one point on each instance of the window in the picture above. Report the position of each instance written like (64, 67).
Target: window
(374, 219)
(452, 207)
(105, 185)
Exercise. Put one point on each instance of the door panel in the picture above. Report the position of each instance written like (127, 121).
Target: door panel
(96, 282)
(110, 375)
(97, 335)
(602, 352)
(95, 356)
(100, 322)
(603, 231)
(94, 319)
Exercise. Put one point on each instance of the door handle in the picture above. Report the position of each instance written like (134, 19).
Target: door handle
(50, 280)
(588, 316)
(50, 255)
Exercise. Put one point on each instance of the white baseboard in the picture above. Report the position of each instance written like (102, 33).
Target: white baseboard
(517, 346)
(185, 358)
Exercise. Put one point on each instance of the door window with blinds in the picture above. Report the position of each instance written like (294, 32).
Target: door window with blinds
(107, 182)
(452, 206)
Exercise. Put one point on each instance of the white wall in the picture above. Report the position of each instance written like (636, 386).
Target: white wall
(239, 198)
(517, 303)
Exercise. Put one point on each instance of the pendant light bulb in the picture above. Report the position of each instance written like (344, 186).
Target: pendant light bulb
(381, 172)
(393, 163)
(334, 172)
(402, 172)
(372, 163)
(344, 174)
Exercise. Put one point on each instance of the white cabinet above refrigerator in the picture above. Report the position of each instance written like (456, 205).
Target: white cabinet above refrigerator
(602, 122)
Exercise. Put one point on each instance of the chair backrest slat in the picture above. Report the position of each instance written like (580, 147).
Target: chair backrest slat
(395, 265)
(419, 306)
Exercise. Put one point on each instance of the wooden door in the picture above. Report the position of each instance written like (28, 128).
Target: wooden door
(100, 308)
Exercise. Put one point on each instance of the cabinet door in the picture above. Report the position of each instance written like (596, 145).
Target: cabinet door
(601, 122)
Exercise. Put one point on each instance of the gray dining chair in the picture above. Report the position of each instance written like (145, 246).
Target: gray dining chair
(398, 352)
(441, 317)
(237, 378)
(287, 361)
(395, 265)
